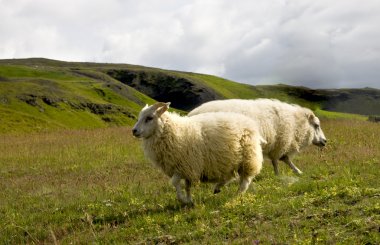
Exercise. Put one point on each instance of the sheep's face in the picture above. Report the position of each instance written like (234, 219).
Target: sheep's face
(147, 122)
(319, 138)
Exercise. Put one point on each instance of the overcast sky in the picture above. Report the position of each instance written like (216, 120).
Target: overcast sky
(316, 43)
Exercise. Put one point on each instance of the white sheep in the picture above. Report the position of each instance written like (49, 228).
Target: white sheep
(212, 147)
(286, 128)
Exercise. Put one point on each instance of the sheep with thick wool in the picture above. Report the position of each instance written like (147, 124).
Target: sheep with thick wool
(211, 147)
(287, 128)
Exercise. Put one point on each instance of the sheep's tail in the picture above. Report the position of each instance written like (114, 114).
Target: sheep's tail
(252, 156)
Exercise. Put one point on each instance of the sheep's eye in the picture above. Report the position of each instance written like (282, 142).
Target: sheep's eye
(148, 119)
(316, 126)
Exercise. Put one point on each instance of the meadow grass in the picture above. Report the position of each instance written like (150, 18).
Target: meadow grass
(20, 71)
(224, 87)
(339, 115)
(95, 186)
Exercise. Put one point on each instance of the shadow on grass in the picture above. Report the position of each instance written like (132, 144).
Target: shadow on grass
(115, 218)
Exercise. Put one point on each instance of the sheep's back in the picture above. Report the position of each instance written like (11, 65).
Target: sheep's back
(278, 121)
(221, 139)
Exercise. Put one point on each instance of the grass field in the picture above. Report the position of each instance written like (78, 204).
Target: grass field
(95, 186)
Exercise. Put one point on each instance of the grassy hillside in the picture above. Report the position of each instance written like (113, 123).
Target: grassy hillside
(230, 89)
(34, 98)
(95, 186)
(41, 94)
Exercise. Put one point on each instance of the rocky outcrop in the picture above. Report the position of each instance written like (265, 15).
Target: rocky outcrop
(183, 93)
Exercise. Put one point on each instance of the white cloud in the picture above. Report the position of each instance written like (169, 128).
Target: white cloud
(312, 43)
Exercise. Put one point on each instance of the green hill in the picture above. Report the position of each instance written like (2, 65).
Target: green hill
(48, 95)
(41, 94)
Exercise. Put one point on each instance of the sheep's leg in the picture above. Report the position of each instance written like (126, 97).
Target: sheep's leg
(244, 183)
(218, 186)
(275, 166)
(176, 181)
(189, 200)
(287, 160)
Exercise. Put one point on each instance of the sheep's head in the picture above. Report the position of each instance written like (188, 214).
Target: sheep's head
(319, 138)
(148, 119)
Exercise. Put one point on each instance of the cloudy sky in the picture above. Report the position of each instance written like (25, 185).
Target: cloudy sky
(319, 44)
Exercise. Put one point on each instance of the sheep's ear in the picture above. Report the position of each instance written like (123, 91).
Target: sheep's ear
(146, 106)
(310, 117)
(163, 107)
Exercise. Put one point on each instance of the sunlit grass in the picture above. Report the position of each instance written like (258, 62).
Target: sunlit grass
(226, 88)
(69, 90)
(339, 115)
(85, 186)
(20, 71)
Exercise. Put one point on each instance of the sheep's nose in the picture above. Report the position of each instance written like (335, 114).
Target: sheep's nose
(134, 131)
(324, 142)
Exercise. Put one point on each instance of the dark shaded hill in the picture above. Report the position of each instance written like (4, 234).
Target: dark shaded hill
(184, 93)
(364, 101)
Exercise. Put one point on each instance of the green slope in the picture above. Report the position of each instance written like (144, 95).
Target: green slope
(38, 97)
(229, 89)
(41, 94)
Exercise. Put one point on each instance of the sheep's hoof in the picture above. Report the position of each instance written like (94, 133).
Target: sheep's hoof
(216, 191)
(186, 202)
(299, 172)
(189, 204)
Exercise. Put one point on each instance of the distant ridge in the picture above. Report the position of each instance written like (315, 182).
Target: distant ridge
(39, 93)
